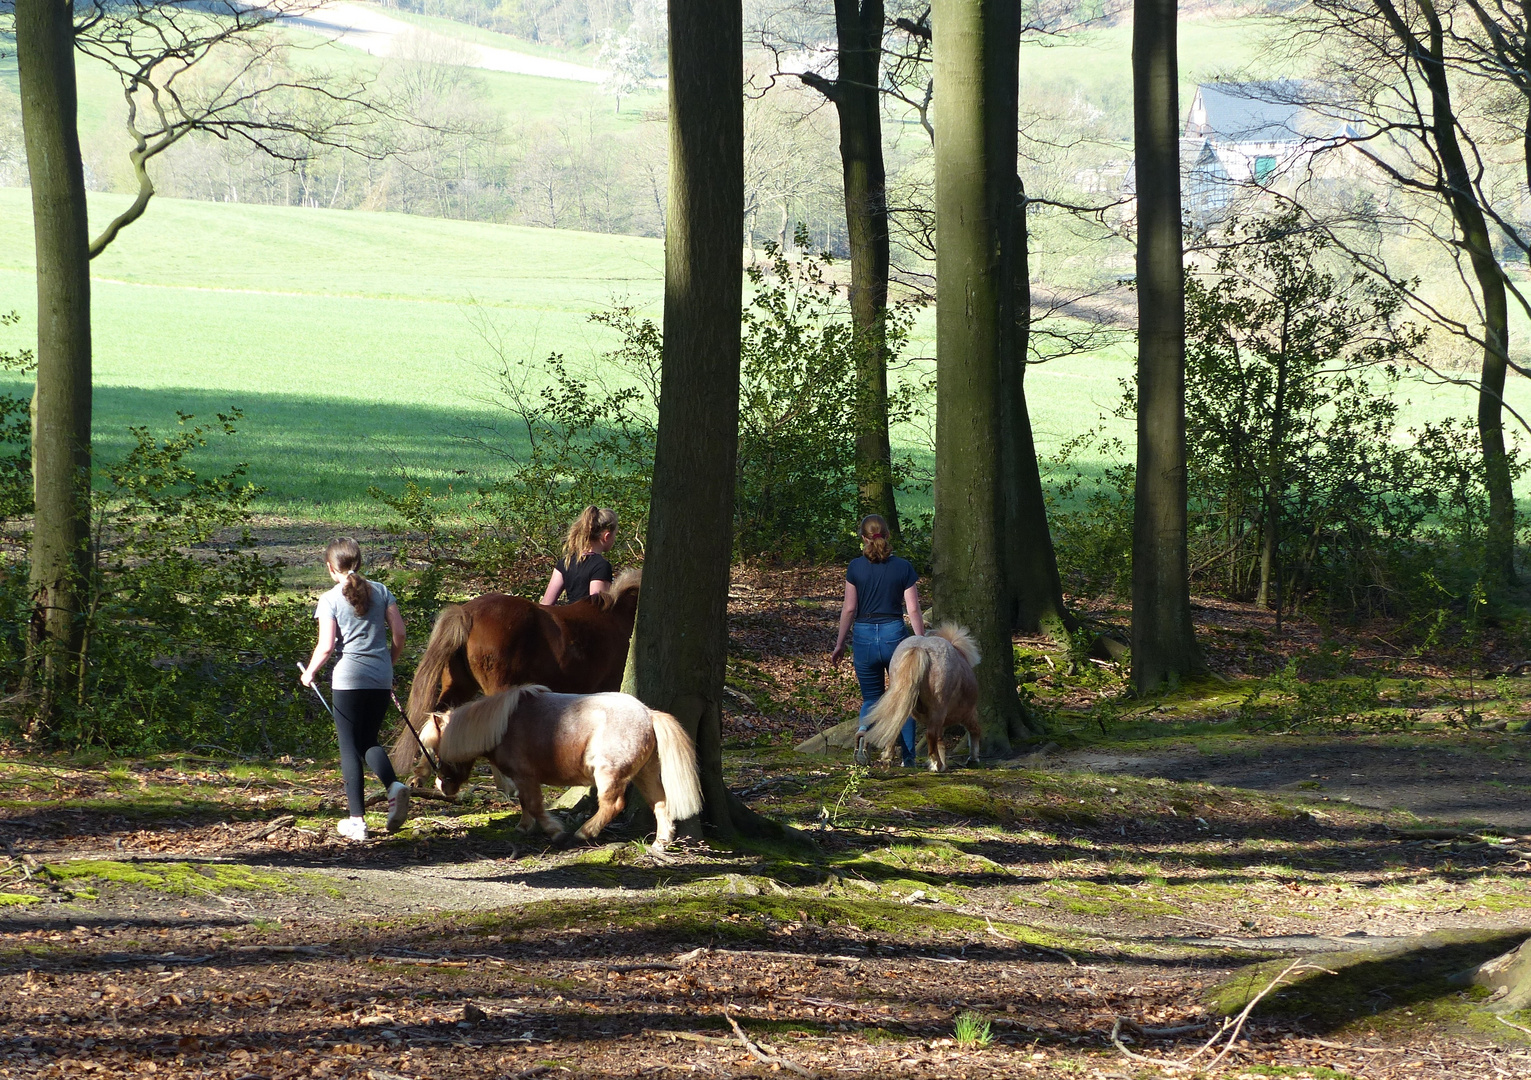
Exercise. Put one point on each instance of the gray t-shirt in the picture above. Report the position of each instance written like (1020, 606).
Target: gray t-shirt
(364, 662)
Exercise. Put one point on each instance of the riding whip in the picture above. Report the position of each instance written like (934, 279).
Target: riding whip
(319, 694)
(436, 765)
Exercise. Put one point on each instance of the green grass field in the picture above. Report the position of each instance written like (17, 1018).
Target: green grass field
(349, 338)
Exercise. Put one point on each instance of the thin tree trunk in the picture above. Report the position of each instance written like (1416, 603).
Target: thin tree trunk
(1163, 642)
(1429, 56)
(1275, 480)
(680, 643)
(858, 100)
(1031, 564)
(62, 401)
(975, 71)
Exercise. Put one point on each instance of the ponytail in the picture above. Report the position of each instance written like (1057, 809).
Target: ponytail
(344, 556)
(586, 533)
(875, 544)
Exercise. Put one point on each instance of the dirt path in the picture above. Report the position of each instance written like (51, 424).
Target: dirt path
(1482, 783)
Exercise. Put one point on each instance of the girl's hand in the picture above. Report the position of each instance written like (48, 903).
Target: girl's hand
(837, 653)
(307, 678)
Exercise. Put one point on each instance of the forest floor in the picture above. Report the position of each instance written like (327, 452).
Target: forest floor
(1152, 870)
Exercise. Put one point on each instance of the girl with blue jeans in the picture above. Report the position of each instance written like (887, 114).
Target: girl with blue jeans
(879, 588)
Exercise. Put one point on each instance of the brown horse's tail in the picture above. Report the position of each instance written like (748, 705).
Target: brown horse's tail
(448, 636)
(906, 678)
(677, 767)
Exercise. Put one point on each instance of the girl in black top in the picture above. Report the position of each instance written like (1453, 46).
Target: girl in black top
(584, 570)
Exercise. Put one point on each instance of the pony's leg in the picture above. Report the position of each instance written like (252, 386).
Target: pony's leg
(651, 787)
(611, 796)
(933, 735)
(973, 740)
(506, 785)
(532, 809)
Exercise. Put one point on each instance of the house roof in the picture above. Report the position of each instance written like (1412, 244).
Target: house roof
(1273, 112)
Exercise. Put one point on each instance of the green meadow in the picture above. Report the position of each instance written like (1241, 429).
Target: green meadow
(352, 340)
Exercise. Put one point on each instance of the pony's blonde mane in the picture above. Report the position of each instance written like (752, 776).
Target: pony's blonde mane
(472, 730)
(960, 640)
(627, 579)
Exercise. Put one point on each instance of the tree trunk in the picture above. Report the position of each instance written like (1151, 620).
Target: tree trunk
(61, 403)
(1429, 55)
(680, 642)
(856, 94)
(1031, 565)
(1163, 642)
(975, 43)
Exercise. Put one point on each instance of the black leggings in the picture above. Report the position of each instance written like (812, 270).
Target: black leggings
(358, 719)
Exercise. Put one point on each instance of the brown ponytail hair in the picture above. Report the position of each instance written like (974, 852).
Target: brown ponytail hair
(875, 544)
(586, 533)
(344, 556)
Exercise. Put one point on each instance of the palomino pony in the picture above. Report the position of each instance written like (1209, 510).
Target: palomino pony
(495, 641)
(536, 737)
(930, 678)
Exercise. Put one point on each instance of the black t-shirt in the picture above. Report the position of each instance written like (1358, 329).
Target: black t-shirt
(576, 580)
(880, 587)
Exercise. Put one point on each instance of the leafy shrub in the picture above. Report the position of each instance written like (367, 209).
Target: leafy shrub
(1300, 484)
(587, 436)
(187, 642)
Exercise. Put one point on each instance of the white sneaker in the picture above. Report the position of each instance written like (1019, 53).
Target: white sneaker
(398, 805)
(352, 828)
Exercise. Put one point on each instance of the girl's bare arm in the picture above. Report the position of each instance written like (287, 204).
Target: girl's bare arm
(555, 586)
(847, 616)
(328, 631)
(912, 605)
(396, 630)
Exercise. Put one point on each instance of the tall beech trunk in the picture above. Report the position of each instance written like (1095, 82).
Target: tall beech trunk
(680, 642)
(1163, 641)
(61, 404)
(975, 45)
(856, 94)
(1031, 564)
(1429, 56)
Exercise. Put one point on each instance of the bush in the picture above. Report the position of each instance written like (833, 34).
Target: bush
(187, 642)
(1300, 484)
(588, 435)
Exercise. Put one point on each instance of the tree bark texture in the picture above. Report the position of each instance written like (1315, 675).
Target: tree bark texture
(1163, 641)
(1031, 564)
(62, 401)
(1429, 56)
(975, 43)
(856, 94)
(680, 642)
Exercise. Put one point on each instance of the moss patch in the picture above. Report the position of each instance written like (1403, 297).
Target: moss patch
(11, 899)
(1397, 986)
(176, 878)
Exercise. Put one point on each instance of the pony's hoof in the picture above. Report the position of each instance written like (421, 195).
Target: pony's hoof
(563, 840)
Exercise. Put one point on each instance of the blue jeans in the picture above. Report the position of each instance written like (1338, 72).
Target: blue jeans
(872, 646)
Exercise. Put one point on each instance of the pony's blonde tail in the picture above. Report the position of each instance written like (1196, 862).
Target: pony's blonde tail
(448, 635)
(677, 767)
(905, 678)
(960, 640)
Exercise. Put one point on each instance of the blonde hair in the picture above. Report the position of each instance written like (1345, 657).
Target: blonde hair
(344, 555)
(875, 544)
(586, 533)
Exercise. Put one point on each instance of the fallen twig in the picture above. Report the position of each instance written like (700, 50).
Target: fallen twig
(760, 1055)
(1517, 1027)
(260, 832)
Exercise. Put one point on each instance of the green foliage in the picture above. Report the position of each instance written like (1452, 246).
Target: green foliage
(186, 641)
(972, 1032)
(15, 436)
(1294, 447)
(586, 436)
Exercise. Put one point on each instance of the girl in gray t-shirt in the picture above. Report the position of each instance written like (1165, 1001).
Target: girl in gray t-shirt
(356, 618)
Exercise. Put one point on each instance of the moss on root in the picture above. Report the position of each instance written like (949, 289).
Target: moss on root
(1397, 986)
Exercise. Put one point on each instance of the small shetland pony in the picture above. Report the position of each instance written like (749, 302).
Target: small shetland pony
(534, 737)
(496, 641)
(930, 678)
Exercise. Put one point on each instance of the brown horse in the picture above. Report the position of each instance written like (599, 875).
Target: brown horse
(496, 641)
(535, 737)
(930, 678)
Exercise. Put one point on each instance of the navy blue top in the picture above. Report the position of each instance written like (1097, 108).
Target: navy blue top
(880, 587)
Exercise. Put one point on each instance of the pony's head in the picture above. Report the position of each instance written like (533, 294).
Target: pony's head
(468, 732)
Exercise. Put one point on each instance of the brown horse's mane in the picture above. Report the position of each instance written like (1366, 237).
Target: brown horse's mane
(477, 727)
(626, 580)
